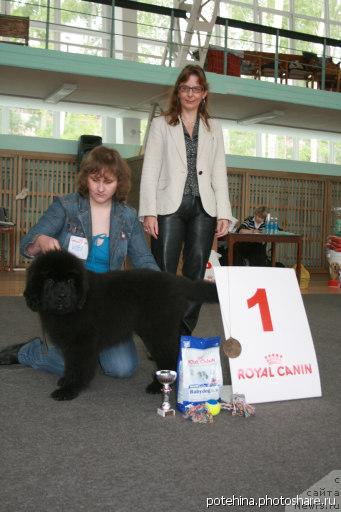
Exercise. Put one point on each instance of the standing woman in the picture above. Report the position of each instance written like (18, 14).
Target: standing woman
(184, 197)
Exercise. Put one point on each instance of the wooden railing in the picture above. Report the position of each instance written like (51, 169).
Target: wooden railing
(13, 28)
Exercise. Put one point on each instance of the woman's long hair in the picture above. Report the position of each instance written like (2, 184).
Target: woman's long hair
(174, 107)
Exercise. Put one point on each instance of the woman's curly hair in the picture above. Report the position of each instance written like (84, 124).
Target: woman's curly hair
(102, 159)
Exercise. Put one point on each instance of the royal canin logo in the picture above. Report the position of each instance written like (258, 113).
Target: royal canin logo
(275, 368)
(274, 358)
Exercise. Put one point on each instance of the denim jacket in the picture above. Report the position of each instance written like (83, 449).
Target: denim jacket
(71, 215)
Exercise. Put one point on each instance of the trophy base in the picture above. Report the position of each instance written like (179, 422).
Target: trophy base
(170, 412)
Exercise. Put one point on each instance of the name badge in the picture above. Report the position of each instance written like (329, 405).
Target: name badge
(79, 247)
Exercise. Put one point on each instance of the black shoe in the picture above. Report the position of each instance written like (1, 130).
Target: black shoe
(9, 355)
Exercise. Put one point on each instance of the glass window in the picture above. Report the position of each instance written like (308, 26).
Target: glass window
(285, 147)
(80, 14)
(335, 30)
(323, 151)
(271, 19)
(315, 9)
(314, 27)
(35, 9)
(269, 41)
(305, 150)
(335, 10)
(280, 5)
(155, 29)
(30, 122)
(239, 39)
(238, 12)
(73, 125)
(337, 152)
(242, 143)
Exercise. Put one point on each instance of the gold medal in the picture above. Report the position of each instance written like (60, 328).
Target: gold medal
(231, 347)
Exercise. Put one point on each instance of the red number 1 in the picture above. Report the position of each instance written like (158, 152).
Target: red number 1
(260, 298)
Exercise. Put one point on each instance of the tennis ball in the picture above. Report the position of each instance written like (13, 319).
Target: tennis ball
(213, 406)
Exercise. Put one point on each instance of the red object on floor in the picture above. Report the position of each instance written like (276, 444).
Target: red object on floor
(335, 283)
(215, 63)
(334, 242)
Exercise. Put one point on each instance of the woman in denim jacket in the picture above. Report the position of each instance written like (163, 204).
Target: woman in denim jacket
(96, 225)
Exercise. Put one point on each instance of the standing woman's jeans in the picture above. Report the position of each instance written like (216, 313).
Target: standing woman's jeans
(193, 228)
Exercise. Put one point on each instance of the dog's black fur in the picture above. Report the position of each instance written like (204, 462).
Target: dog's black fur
(84, 312)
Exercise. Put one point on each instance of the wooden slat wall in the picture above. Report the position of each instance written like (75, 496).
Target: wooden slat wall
(44, 176)
(302, 202)
(298, 203)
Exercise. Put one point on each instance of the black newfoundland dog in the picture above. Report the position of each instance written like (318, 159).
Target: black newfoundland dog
(84, 312)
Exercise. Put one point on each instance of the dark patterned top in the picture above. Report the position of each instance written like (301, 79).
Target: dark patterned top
(191, 185)
(249, 223)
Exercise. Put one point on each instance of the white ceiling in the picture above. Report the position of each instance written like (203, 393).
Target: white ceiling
(119, 94)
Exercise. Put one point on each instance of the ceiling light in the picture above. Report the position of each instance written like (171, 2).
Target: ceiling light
(61, 93)
(261, 117)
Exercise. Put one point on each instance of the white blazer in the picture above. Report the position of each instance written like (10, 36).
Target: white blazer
(164, 170)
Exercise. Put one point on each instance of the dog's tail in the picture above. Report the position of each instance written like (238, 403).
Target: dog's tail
(199, 291)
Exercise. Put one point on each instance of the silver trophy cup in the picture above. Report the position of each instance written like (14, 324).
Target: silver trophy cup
(166, 378)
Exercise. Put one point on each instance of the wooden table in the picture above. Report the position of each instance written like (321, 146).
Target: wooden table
(10, 232)
(279, 238)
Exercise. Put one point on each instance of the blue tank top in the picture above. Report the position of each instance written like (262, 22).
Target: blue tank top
(98, 258)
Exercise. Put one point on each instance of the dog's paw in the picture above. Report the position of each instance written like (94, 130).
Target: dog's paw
(153, 388)
(61, 382)
(64, 394)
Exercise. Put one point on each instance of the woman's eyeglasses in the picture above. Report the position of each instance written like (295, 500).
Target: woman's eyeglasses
(195, 90)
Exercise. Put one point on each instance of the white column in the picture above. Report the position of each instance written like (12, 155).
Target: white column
(295, 148)
(129, 27)
(313, 148)
(118, 33)
(131, 131)
(119, 130)
(109, 130)
(261, 141)
(57, 20)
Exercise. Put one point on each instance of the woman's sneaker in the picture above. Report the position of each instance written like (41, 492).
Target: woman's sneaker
(9, 355)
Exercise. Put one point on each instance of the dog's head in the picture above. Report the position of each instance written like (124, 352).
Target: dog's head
(56, 282)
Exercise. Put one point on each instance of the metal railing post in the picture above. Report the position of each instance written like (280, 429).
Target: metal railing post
(225, 46)
(276, 57)
(323, 70)
(47, 32)
(112, 31)
(171, 39)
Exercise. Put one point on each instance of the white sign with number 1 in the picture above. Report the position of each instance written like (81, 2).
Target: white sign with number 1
(262, 308)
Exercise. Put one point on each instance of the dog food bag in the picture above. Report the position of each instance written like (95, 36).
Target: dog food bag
(199, 371)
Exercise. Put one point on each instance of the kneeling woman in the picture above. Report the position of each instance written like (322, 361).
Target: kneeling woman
(95, 224)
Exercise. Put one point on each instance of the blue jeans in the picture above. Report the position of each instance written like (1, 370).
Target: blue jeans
(118, 361)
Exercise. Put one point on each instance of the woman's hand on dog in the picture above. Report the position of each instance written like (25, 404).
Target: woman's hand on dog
(43, 244)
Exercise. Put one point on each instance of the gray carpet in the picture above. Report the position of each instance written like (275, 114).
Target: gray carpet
(109, 451)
